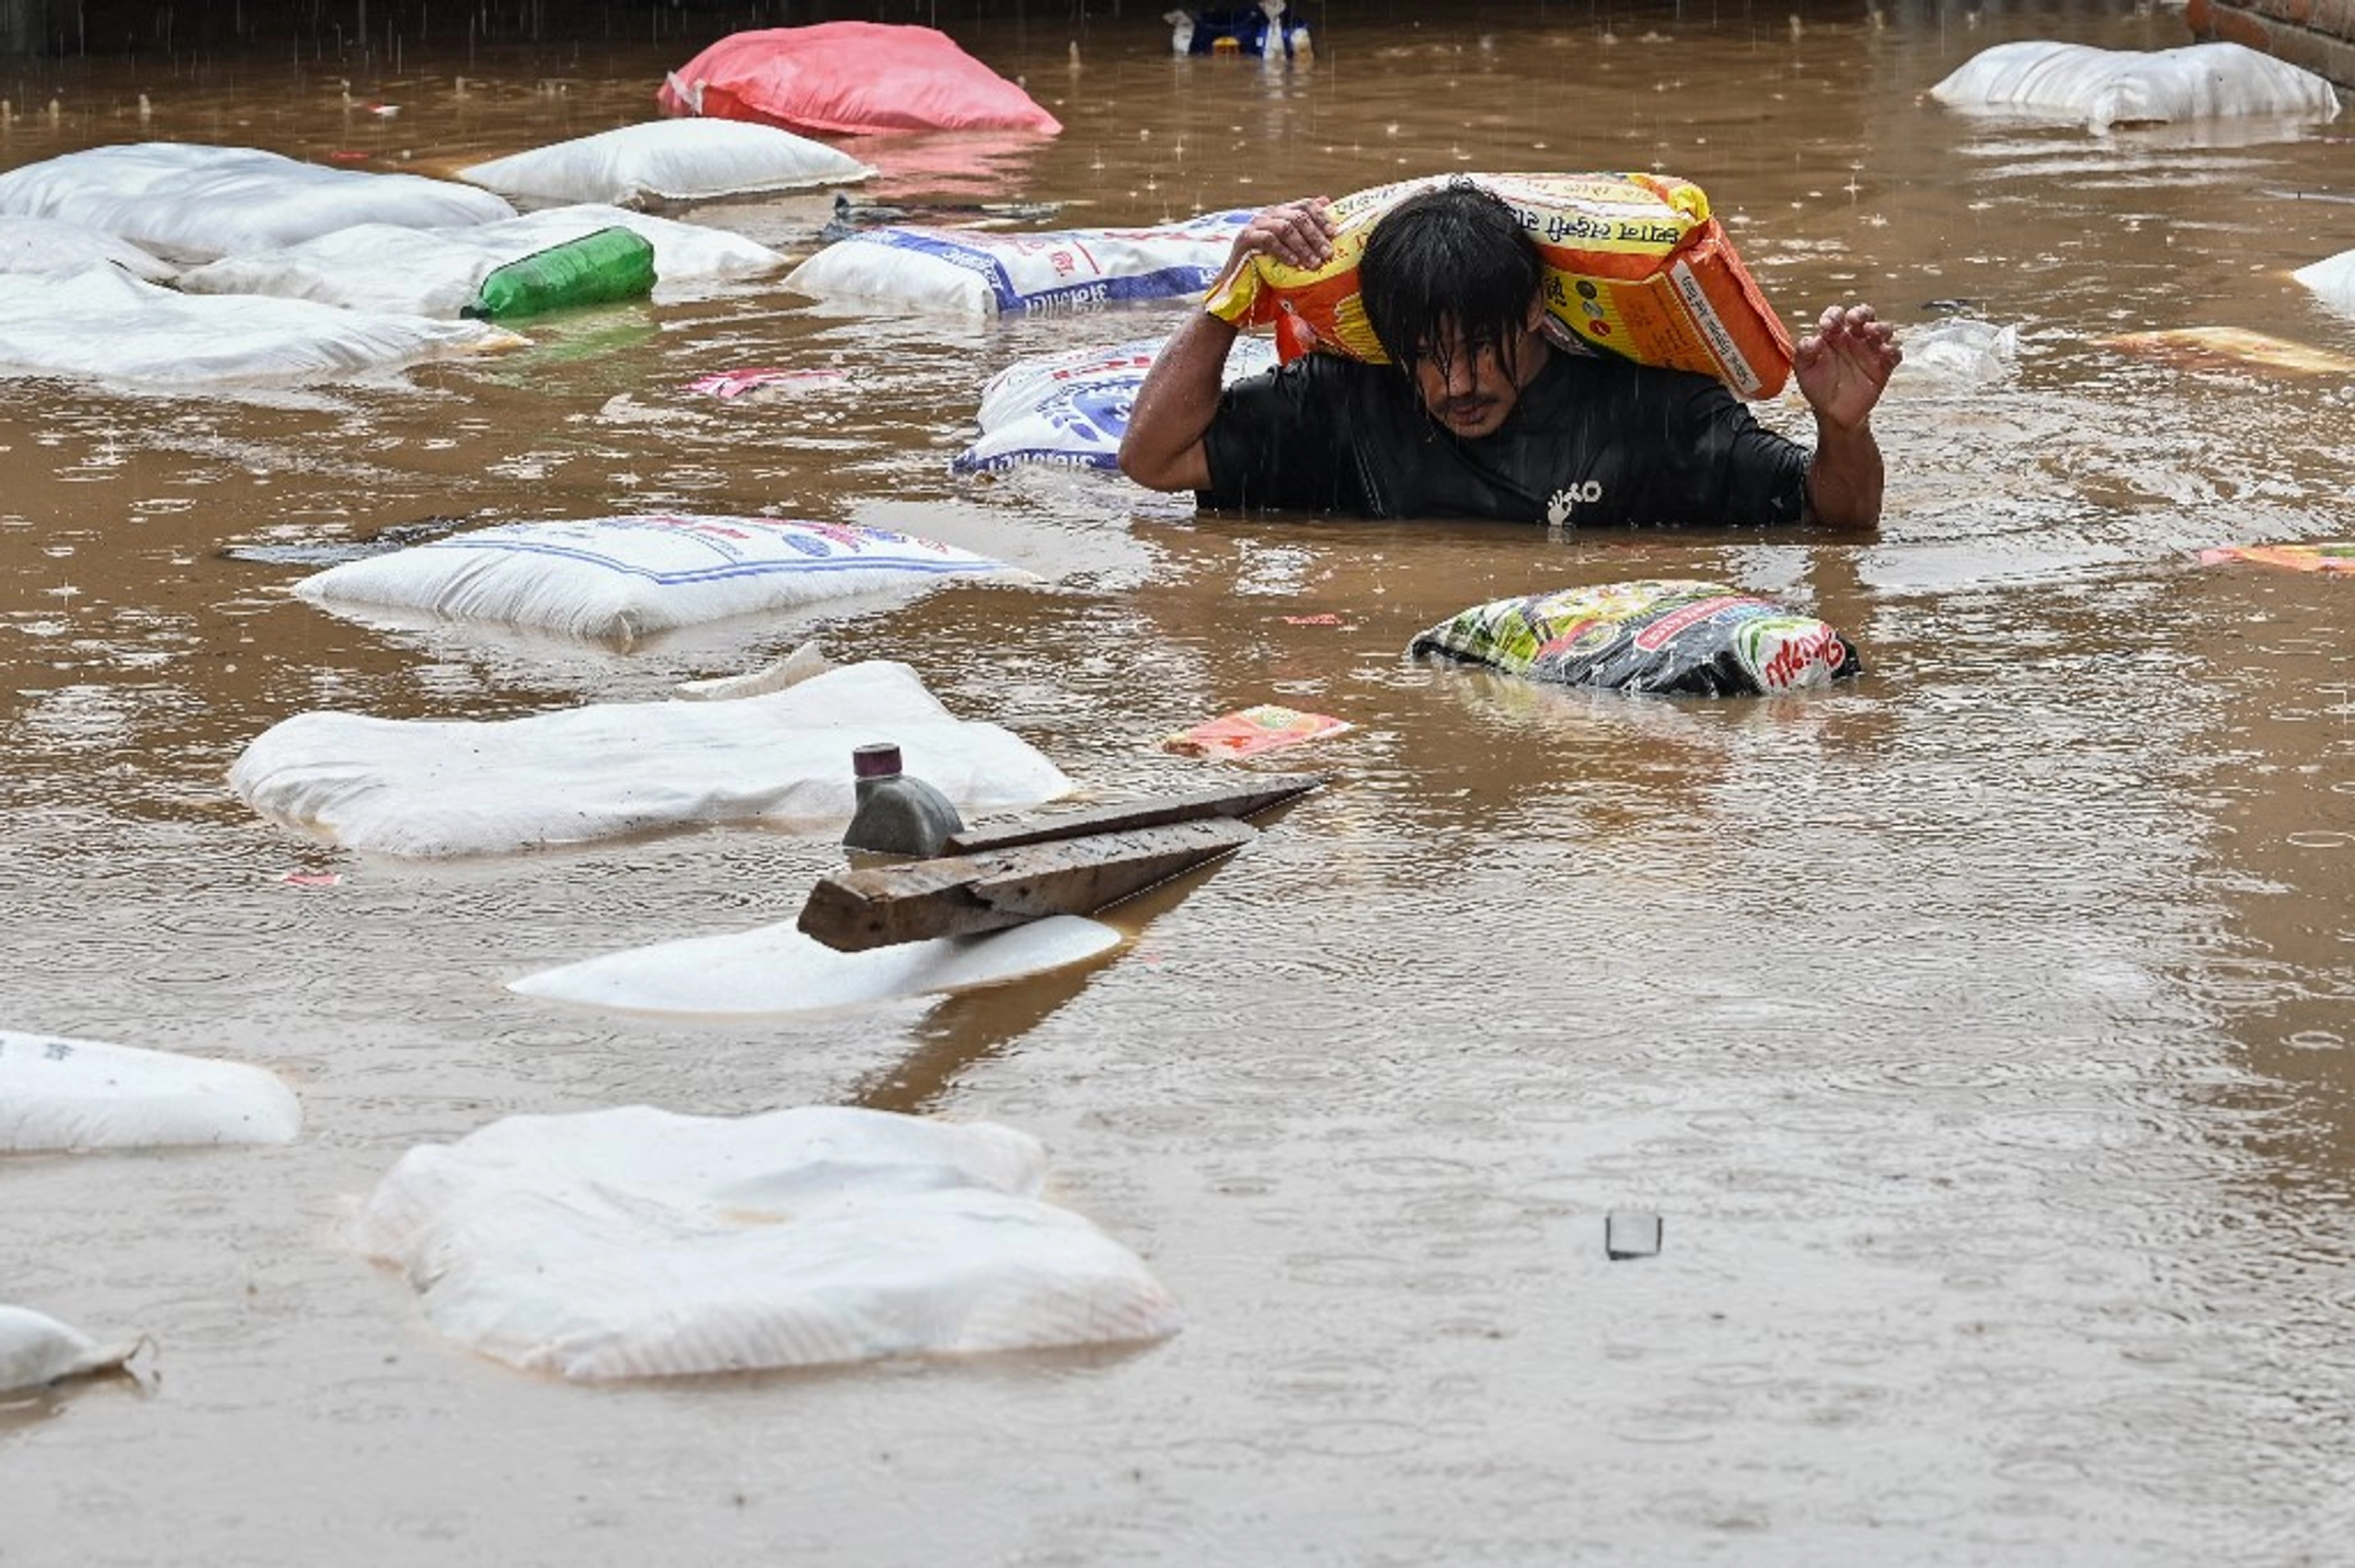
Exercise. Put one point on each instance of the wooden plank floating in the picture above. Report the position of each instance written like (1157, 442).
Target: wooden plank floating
(1263, 795)
(967, 894)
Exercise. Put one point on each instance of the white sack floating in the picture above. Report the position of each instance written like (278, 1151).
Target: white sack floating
(617, 579)
(1070, 409)
(776, 970)
(109, 326)
(36, 1351)
(636, 1244)
(2108, 88)
(2332, 279)
(438, 272)
(421, 787)
(58, 1093)
(672, 160)
(976, 273)
(190, 203)
(45, 247)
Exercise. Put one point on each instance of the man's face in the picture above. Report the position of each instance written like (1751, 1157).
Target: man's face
(1471, 392)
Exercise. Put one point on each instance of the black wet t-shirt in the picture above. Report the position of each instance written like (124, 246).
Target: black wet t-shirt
(1590, 443)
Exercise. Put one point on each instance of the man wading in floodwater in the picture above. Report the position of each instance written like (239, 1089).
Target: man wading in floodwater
(1482, 416)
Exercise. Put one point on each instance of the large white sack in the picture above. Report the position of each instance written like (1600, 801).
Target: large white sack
(674, 160)
(974, 272)
(107, 325)
(2333, 279)
(46, 248)
(68, 1093)
(619, 579)
(438, 272)
(193, 203)
(36, 1351)
(777, 969)
(633, 1243)
(2122, 87)
(424, 787)
(1070, 409)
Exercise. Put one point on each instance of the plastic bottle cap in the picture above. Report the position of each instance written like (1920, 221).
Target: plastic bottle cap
(879, 760)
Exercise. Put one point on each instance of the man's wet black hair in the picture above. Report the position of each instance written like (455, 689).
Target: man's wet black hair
(1455, 255)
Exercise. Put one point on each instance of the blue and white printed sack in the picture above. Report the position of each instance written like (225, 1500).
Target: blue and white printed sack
(976, 273)
(1070, 409)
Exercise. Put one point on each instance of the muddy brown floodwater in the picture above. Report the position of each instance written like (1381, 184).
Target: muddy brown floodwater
(1980, 1030)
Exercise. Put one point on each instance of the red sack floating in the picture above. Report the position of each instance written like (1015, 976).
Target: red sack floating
(851, 78)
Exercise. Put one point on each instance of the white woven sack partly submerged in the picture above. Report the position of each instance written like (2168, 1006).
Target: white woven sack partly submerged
(636, 1244)
(67, 1094)
(2106, 87)
(672, 160)
(107, 325)
(976, 273)
(423, 787)
(439, 272)
(2333, 279)
(1070, 409)
(617, 579)
(776, 969)
(36, 1351)
(189, 203)
(49, 247)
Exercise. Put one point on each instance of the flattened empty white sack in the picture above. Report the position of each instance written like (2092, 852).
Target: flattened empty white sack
(438, 272)
(193, 203)
(676, 160)
(619, 579)
(421, 787)
(45, 247)
(36, 1351)
(2122, 87)
(634, 1243)
(106, 326)
(66, 1093)
(776, 970)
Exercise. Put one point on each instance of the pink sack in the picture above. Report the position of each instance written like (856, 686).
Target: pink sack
(852, 78)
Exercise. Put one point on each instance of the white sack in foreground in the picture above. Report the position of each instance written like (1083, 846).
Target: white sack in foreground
(617, 579)
(58, 1093)
(107, 325)
(674, 160)
(438, 272)
(975, 272)
(2333, 279)
(776, 970)
(421, 787)
(44, 248)
(193, 203)
(2122, 87)
(633, 1242)
(36, 1351)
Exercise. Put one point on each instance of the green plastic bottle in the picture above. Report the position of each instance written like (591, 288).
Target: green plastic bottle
(610, 263)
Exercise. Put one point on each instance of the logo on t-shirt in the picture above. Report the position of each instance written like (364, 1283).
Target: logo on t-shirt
(1567, 500)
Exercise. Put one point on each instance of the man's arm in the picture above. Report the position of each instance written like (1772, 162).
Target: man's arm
(1844, 365)
(1163, 449)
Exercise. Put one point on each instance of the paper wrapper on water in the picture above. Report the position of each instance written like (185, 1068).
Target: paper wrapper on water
(1268, 727)
(2335, 557)
(1655, 636)
(1634, 266)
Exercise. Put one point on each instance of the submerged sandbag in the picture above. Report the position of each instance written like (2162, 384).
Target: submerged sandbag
(620, 578)
(2333, 279)
(47, 247)
(107, 325)
(980, 272)
(776, 970)
(670, 160)
(60, 1093)
(422, 787)
(439, 272)
(1070, 409)
(2108, 88)
(1655, 635)
(36, 1351)
(638, 1243)
(190, 203)
(850, 78)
